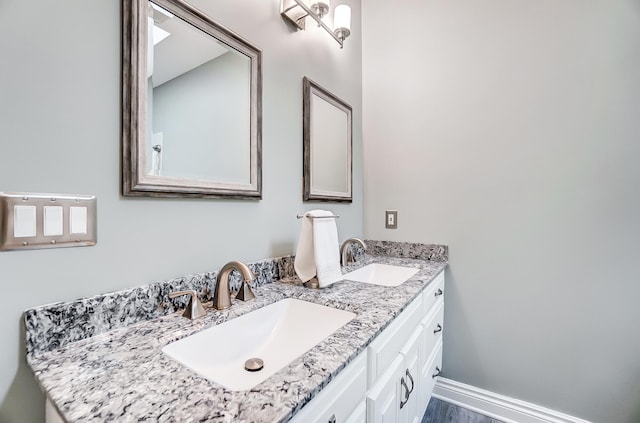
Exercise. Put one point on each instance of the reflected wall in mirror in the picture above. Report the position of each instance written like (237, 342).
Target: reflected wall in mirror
(327, 133)
(191, 105)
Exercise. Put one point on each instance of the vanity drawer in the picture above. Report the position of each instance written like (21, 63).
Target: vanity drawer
(433, 326)
(340, 398)
(428, 375)
(433, 292)
(384, 349)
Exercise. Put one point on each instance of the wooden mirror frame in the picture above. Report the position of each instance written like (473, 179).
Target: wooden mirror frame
(134, 92)
(310, 193)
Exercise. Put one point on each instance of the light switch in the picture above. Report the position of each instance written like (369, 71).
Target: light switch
(30, 220)
(78, 220)
(391, 219)
(24, 221)
(53, 221)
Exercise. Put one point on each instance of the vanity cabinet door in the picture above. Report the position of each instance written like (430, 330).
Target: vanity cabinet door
(383, 400)
(385, 348)
(394, 398)
(409, 412)
(339, 399)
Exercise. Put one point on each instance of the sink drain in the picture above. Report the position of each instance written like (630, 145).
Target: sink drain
(253, 365)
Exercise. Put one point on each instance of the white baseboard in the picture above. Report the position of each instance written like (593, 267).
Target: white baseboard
(507, 409)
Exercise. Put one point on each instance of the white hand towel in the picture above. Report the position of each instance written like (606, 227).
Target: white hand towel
(318, 252)
(305, 263)
(326, 250)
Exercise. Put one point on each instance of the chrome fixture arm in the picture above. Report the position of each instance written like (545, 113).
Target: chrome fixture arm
(345, 253)
(222, 296)
(194, 309)
(335, 216)
(316, 17)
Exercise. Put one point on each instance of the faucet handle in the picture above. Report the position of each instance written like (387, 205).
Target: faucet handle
(194, 309)
(245, 293)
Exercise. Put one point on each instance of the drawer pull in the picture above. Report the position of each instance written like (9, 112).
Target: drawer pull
(437, 373)
(438, 293)
(332, 419)
(406, 391)
(438, 328)
(410, 379)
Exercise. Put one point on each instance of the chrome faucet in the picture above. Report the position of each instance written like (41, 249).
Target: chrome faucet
(346, 256)
(222, 296)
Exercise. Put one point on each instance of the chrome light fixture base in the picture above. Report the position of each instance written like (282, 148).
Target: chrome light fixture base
(320, 9)
(342, 34)
(295, 11)
(292, 13)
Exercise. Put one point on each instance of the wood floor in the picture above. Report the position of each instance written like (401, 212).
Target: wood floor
(443, 412)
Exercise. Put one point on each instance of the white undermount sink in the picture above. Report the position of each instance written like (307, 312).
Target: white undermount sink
(381, 274)
(277, 334)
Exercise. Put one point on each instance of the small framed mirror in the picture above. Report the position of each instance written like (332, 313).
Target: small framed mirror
(192, 100)
(327, 148)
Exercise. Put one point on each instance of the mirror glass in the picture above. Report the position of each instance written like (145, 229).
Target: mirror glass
(194, 113)
(327, 145)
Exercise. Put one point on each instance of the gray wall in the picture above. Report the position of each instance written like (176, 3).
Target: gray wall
(510, 131)
(206, 131)
(60, 123)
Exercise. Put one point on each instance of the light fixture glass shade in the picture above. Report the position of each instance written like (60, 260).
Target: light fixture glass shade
(342, 17)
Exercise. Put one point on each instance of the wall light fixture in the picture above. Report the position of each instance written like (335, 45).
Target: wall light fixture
(295, 12)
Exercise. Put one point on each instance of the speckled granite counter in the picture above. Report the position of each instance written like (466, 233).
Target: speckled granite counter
(122, 375)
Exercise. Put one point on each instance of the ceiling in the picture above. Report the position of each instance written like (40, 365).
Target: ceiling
(184, 49)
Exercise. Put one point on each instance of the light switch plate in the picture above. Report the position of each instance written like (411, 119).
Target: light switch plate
(391, 219)
(35, 220)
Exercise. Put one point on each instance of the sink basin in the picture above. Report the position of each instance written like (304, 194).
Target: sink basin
(382, 274)
(277, 334)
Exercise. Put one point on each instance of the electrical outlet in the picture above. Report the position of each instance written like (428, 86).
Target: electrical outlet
(391, 219)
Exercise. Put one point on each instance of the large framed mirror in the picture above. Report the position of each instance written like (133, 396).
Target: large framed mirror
(192, 100)
(327, 146)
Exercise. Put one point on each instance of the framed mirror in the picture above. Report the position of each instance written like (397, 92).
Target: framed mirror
(327, 135)
(192, 105)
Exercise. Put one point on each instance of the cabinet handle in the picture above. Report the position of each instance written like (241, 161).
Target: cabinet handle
(406, 390)
(438, 328)
(332, 419)
(437, 373)
(438, 293)
(411, 379)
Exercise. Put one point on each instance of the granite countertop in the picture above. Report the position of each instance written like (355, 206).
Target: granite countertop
(122, 375)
